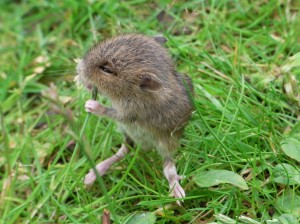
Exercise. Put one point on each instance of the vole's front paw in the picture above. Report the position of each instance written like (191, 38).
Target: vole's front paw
(94, 107)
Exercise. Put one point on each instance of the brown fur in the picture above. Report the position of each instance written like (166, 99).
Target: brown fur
(146, 92)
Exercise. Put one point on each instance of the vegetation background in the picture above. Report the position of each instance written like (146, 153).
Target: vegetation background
(241, 150)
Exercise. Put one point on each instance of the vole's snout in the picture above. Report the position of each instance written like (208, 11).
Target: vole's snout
(80, 66)
(80, 78)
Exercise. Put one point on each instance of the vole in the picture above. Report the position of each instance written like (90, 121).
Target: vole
(150, 101)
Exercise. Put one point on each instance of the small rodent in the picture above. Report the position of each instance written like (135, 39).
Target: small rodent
(149, 100)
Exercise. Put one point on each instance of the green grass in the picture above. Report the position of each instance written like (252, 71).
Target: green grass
(247, 99)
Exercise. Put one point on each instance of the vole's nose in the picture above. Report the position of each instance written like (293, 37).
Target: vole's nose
(80, 66)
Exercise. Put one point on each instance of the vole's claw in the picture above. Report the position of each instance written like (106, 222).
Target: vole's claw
(177, 192)
(181, 177)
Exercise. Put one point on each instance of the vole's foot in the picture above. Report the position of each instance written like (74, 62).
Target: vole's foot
(176, 190)
(90, 178)
(104, 166)
(173, 179)
(94, 107)
(101, 169)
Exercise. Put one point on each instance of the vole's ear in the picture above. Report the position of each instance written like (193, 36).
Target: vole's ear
(150, 82)
(160, 39)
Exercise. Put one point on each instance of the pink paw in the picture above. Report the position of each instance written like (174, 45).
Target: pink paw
(94, 107)
(91, 176)
(177, 191)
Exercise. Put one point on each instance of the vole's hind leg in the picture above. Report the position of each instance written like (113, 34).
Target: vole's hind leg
(173, 179)
(105, 165)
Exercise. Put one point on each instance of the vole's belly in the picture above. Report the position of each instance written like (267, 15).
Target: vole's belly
(139, 135)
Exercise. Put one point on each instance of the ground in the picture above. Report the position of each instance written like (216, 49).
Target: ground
(240, 153)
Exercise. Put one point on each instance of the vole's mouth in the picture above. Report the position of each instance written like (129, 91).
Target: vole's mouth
(89, 86)
(80, 80)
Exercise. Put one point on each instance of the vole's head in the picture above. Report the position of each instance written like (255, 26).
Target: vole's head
(127, 65)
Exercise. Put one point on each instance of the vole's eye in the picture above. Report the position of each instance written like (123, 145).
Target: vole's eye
(105, 69)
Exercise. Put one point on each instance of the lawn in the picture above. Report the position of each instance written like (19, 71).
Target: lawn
(240, 153)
